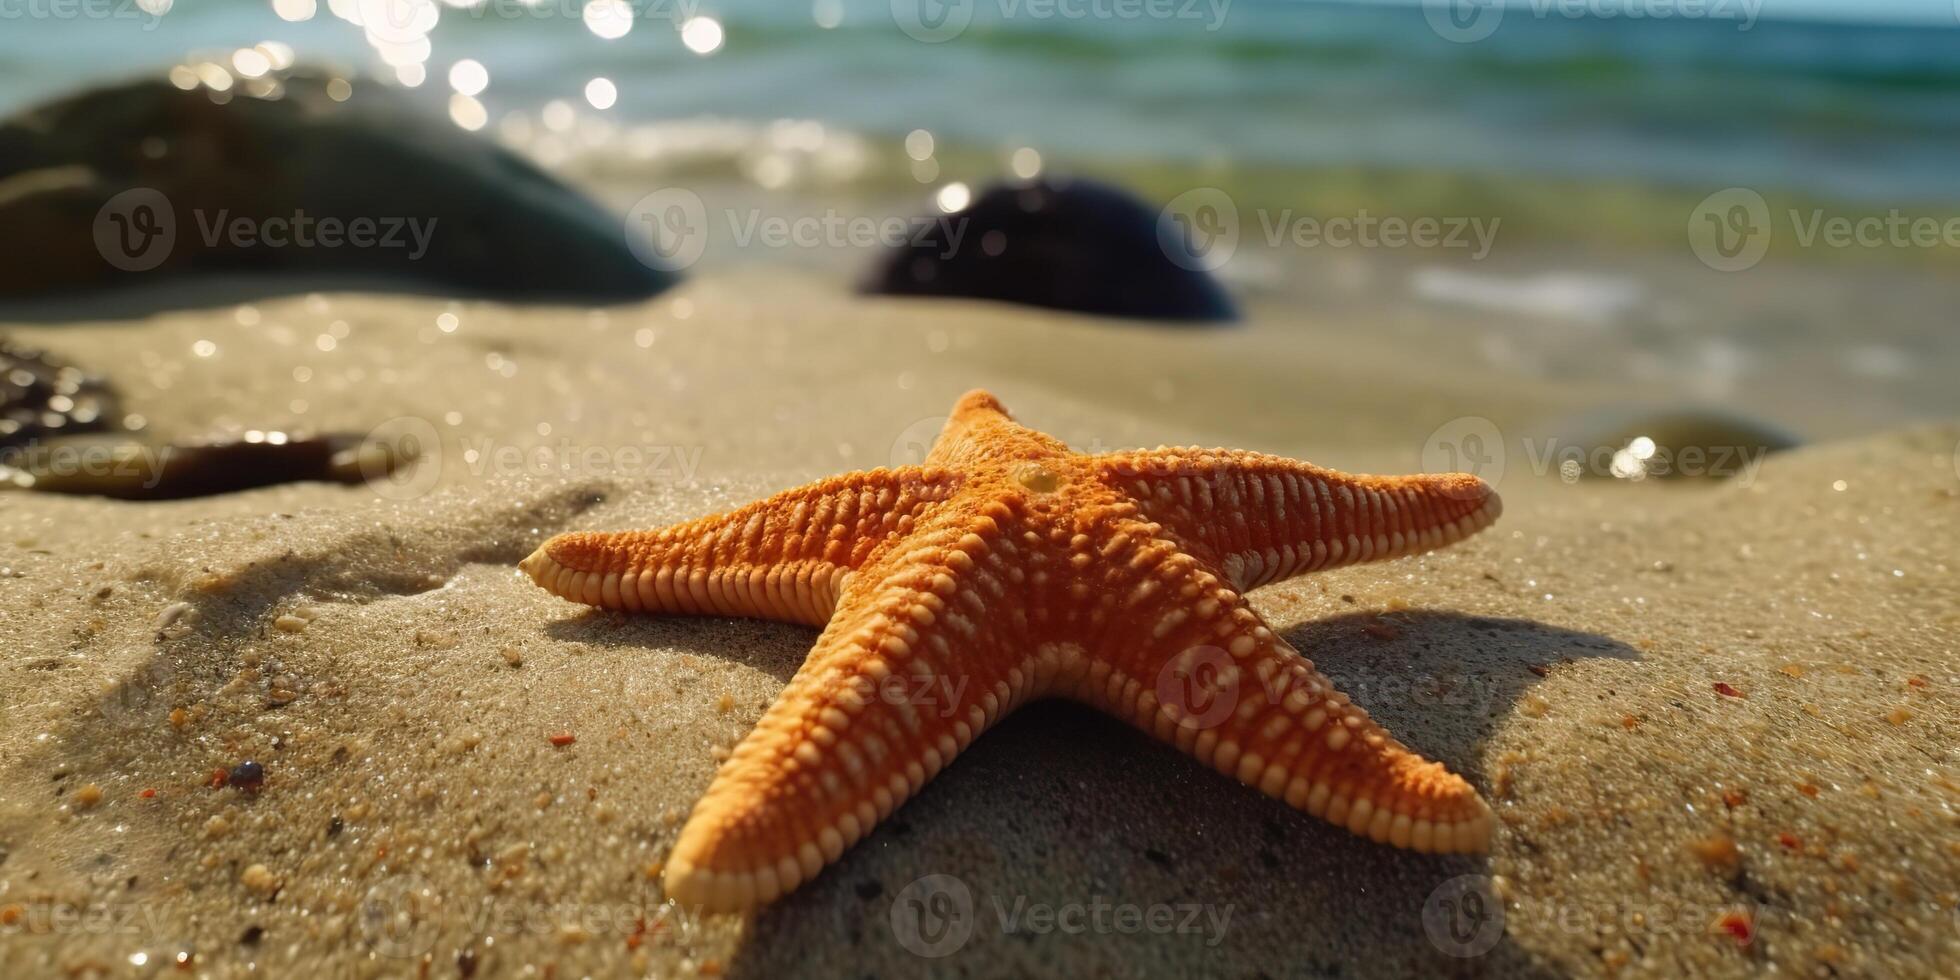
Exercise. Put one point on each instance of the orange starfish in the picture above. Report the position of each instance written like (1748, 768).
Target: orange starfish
(1008, 568)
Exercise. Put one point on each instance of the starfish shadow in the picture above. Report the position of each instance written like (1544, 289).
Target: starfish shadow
(776, 649)
(1062, 820)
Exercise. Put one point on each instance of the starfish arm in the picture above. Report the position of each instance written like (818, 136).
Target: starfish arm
(783, 558)
(1267, 518)
(1186, 660)
(919, 661)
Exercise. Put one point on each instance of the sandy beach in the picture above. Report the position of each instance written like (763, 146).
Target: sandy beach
(1715, 719)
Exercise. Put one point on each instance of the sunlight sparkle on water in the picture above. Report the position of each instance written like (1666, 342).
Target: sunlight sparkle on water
(953, 197)
(250, 62)
(702, 35)
(467, 112)
(469, 77)
(601, 93)
(918, 144)
(610, 19)
(295, 11)
(1026, 163)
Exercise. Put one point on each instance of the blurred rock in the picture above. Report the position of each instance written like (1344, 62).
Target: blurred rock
(43, 397)
(1072, 244)
(112, 465)
(147, 183)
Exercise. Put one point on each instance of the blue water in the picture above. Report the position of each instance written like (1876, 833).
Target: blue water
(1868, 111)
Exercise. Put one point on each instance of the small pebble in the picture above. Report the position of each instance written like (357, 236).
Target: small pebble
(290, 624)
(260, 879)
(248, 776)
(88, 796)
(513, 656)
(562, 739)
(431, 640)
(1718, 852)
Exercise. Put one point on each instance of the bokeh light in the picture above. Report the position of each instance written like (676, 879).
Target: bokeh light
(702, 35)
(601, 93)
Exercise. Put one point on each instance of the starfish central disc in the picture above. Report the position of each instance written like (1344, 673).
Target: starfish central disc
(1007, 568)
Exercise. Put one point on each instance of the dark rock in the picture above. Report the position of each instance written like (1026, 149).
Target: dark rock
(41, 397)
(128, 184)
(1073, 245)
(248, 776)
(116, 466)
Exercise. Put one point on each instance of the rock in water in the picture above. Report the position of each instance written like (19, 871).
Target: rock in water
(1629, 443)
(1073, 245)
(145, 182)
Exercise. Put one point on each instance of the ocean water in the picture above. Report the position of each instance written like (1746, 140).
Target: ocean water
(1863, 112)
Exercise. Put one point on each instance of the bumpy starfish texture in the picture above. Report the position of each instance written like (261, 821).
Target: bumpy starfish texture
(1005, 569)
